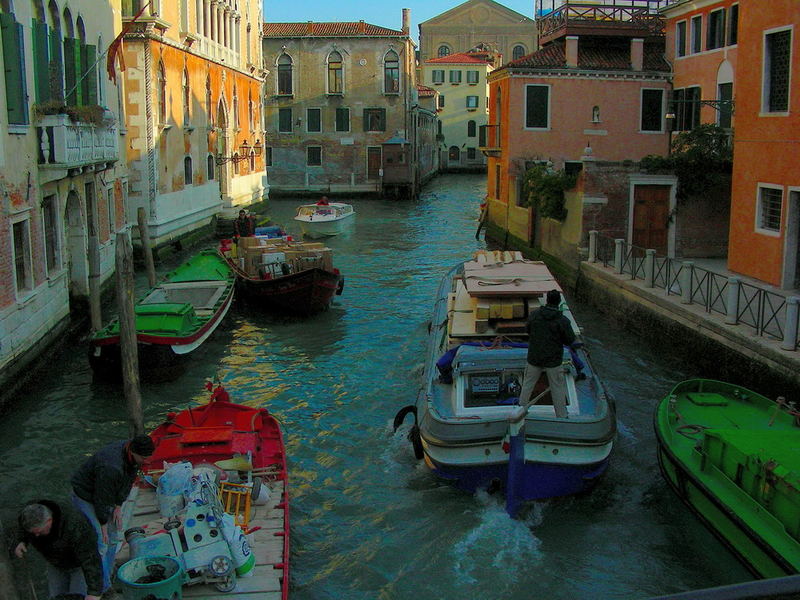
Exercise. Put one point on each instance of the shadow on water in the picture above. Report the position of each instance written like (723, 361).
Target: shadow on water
(368, 521)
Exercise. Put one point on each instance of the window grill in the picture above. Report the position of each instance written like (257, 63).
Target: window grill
(770, 210)
(778, 49)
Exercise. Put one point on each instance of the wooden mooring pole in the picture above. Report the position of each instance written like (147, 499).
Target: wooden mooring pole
(144, 237)
(128, 346)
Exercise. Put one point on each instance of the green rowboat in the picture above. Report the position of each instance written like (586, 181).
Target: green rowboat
(733, 456)
(173, 318)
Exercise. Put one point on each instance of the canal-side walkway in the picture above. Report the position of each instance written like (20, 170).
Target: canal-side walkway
(702, 299)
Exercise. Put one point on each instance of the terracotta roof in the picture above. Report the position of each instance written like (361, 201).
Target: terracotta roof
(460, 58)
(423, 91)
(604, 56)
(338, 29)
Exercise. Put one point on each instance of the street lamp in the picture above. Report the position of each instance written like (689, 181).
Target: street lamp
(244, 154)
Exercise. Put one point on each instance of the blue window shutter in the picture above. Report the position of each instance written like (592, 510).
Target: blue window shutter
(14, 66)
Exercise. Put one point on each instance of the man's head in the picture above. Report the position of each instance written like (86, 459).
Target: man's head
(36, 519)
(553, 298)
(141, 447)
(242, 214)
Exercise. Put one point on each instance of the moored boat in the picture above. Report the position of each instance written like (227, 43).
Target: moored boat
(469, 427)
(173, 318)
(324, 218)
(283, 274)
(229, 528)
(733, 456)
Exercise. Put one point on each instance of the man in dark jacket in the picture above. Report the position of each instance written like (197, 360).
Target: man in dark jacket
(245, 225)
(548, 332)
(100, 486)
(66, 540)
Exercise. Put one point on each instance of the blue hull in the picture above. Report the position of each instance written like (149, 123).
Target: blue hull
(536, 481)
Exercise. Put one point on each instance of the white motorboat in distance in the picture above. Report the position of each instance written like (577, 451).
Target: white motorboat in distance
(324, 218)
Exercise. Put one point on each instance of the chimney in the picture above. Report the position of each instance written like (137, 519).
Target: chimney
(572, 51)
(362, 27)
(310, 28)
(637, 54)
(406, 20)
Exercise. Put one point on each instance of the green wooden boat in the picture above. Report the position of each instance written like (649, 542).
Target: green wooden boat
(173, 318)
(734, 457)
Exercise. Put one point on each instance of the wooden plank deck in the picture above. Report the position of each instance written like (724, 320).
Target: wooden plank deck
(266, 543)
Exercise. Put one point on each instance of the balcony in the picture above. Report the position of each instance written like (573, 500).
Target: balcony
(488, 140)
(66, 145)
(630, 18)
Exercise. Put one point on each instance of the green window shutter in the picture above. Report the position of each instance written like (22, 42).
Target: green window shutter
(383, 119)
(41, 60)
(56, 67)
(89, 83)
(14, 66)
(72, 69)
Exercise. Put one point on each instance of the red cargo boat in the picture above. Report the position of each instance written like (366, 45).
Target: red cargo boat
(226, 438)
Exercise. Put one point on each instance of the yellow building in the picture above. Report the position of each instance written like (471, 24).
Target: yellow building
(335, 94)
(62, 177)
(192, 87)
(461, 79)
(477, 24)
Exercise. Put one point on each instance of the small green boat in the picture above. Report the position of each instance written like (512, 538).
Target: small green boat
(734, 457)
(173, 318)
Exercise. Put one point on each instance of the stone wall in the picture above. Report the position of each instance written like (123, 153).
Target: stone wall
(703, 224)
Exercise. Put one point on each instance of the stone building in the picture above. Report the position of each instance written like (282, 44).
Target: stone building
(475, 24)
(192, 88)
(62, 178)
(335, 94)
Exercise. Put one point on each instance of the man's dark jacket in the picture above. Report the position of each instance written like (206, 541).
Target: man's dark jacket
(71, 544)
(548, 332)
(105, 479)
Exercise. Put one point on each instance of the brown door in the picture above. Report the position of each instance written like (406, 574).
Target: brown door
(373, 162)
(650, 213)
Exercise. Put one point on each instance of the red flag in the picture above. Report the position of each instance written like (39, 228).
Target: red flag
(114, 47)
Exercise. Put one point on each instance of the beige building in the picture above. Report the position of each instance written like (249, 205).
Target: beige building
(62, 177)
(192, 88)
(335, 94)
(461, 80)
(482, 24)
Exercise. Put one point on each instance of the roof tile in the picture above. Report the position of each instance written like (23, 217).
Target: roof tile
(602, 57)
(337, 29)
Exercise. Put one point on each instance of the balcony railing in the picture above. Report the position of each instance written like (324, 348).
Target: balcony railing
(643, 15)
(66, 144)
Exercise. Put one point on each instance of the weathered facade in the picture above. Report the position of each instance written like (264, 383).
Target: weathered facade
(335, 94)
(462, 82)
(595, 94)
(192, 86)
(62, 178)
(477, 24)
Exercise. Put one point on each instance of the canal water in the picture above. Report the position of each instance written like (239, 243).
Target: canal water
(368, 520)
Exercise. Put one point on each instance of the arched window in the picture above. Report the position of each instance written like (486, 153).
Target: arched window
(38, 11)
(235, 108)
(69, 29)
(209, 112)
(517, 52)
(187, 170)
(471, 128)
(443, 51)
(55, 17)
(210, 167)
(81, 30)
(162, 94)
(335, 75)
(187, 96)
(391, 73)
(284, 75)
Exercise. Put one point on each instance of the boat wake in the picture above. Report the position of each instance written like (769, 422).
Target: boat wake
(508, 545)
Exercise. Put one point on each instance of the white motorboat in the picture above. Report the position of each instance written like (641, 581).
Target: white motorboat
(324, 218)
(469, 426)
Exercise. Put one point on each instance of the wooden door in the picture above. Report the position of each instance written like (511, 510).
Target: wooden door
(373, 162)
(650, 213)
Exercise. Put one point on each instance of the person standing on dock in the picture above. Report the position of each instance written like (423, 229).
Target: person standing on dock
(100, 486)
(548, 332)
(65, 539)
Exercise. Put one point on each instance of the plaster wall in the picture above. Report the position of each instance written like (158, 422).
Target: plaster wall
(764, 145)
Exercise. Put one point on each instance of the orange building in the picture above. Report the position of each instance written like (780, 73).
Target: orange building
(598, 87)
(193, 85)
(765, 204)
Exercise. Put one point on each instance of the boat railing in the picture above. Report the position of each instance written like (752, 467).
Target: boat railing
(766, 312)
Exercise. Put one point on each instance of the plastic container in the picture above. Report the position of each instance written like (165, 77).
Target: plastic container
(169, 588)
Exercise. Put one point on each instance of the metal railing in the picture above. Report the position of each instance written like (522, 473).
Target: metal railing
(767, 313)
